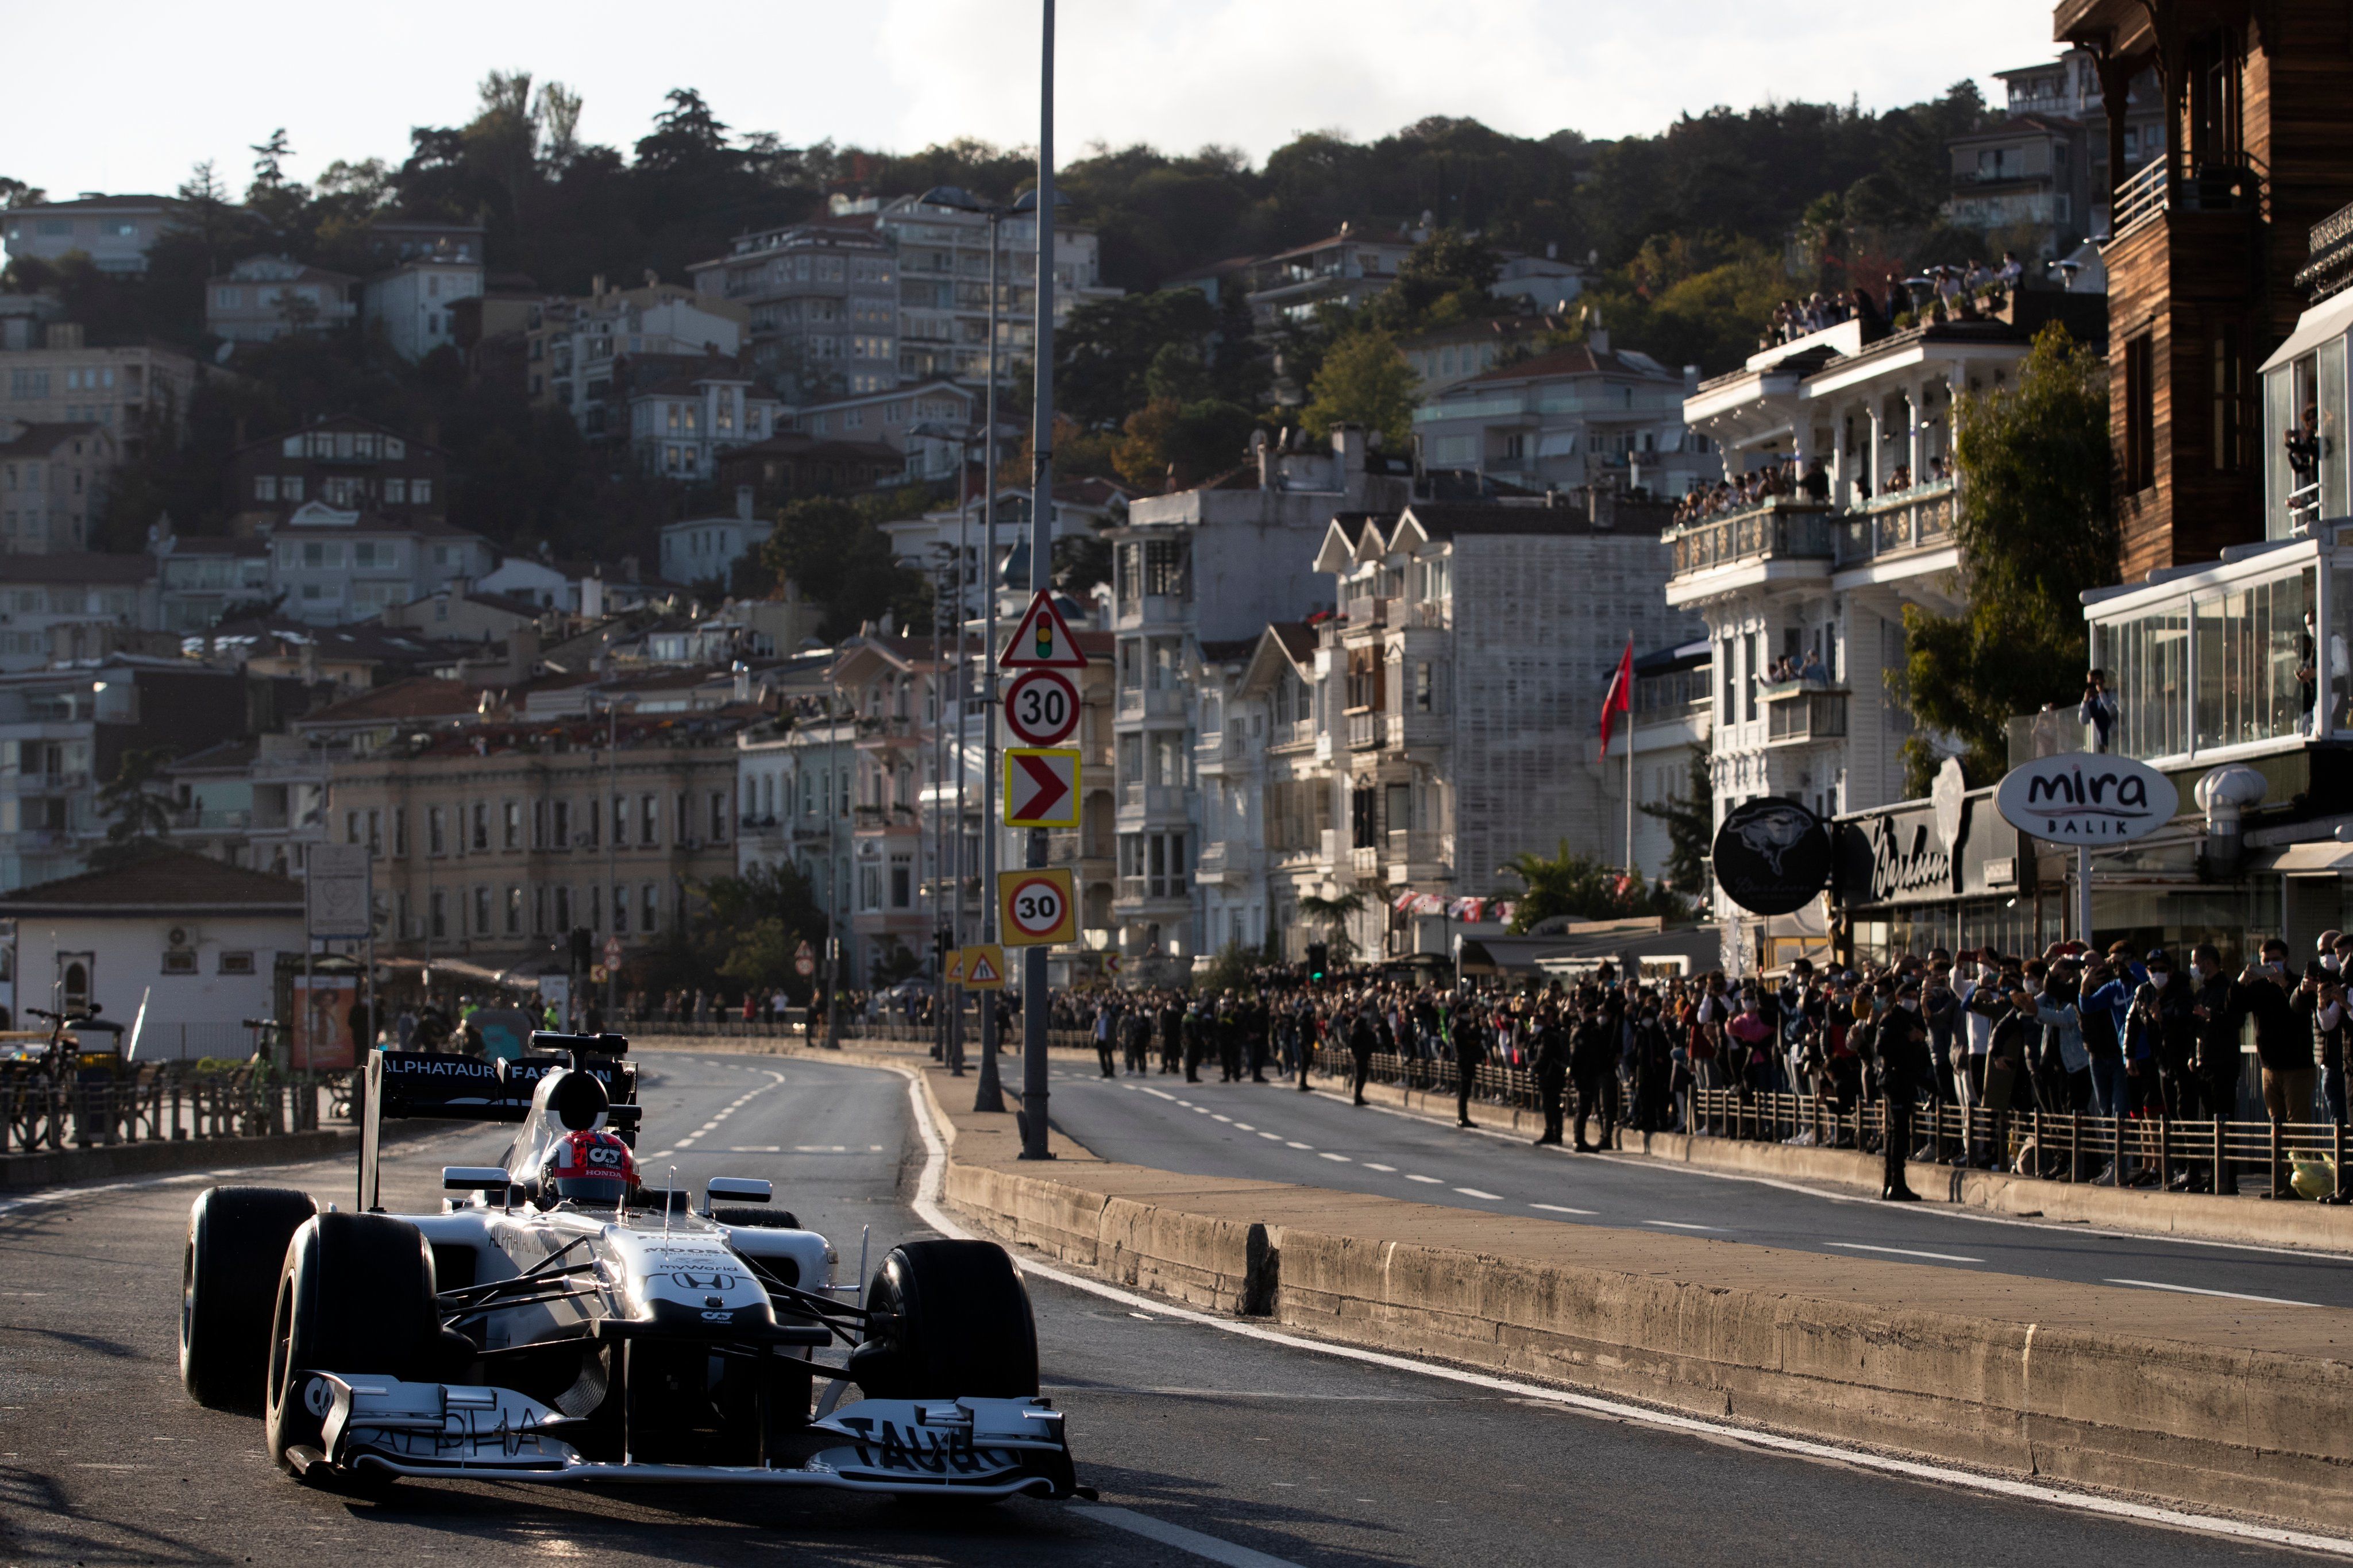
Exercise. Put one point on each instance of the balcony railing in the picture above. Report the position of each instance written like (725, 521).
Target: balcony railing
(2207, 183)
(1366, 860)
(197, 820)
(1798, 715)
(1417, 847)
(1298, 733)
(1366, 611)
(1777, 529)
(50, 783)
(1918, 518)
(1366, 730)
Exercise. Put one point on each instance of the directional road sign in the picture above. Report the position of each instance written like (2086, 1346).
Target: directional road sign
(1036, 908)
(1041, 787)
(1041, 639)
(984, 968)
(1041, 707)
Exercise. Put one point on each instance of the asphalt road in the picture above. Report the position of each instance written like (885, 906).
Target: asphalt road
(1271, 1131)
(1252, 1448)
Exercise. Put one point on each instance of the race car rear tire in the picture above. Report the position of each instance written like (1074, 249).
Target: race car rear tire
(228, 1278)
(356, 1295)
(948, 1319)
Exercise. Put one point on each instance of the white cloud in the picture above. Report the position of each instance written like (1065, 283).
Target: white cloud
(180, 84)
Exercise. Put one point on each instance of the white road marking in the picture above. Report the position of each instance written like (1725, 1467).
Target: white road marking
(757, 1148)
(1215, 1117)
(1562, 1208)
(1182, 1539)
(1327, 1155)
(1276, 1136)
(2226, 1295)
(1433, 1181)
(1389, 1169)
(1681, 1224)
(1475, 1193)
(1162, 1093)
(1295, 1144)
(1906, 1252)
(927, 1206)
(1244, 1127)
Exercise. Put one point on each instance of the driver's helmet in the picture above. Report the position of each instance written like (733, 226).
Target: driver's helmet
(592, 1167)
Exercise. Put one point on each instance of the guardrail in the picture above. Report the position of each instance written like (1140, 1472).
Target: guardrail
(2217, 1155)
(163, 1102)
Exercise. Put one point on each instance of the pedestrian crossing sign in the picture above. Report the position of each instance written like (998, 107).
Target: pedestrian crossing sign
(955, 976)
(984, 967)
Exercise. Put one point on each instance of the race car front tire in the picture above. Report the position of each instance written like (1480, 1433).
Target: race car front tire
(947, 1319)
(228, 1278)
(356, 1295)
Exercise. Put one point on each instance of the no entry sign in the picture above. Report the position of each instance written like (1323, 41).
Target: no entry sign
(1041, 707)
(1036, 908)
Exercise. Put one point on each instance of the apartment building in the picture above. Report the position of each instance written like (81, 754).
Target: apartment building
(1672, 714)
(942, 267)
(1212, 565)
(932, 423)
(682, 424)
(265, 297)
(821, 303)
(495, 839)
(414, 304)
(73, 605)
(790, 465)
(2207, 238)
(1585, 414)
(335, 566)
(344, 461)
(2036, 179)
(54, 379)
(895, 687)
(698, 550)
(571, 346)
(1804, 593)
(63, 733)
(796, 784)
(115, 231)
(200, 579)
(52, 484)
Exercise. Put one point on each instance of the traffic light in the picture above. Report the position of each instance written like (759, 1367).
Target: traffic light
(583, 956)
(943, 946)
(1317, 955)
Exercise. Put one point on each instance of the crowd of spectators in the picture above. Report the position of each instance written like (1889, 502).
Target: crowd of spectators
(1782, 480)
(2122, 1033)
(1946, 291)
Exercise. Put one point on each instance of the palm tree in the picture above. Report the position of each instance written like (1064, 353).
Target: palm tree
(1334, 915)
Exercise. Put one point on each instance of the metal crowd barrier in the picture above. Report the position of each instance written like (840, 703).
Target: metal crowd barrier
(161, 1102)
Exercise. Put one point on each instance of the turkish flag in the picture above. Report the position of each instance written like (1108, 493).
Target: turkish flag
(1620, 698)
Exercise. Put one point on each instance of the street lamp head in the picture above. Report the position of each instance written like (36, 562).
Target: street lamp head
(953, 197)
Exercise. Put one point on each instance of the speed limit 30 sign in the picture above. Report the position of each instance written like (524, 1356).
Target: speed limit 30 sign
(1036, 908)
(1041, 707)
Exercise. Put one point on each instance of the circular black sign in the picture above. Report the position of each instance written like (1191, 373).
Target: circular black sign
(1771, 856)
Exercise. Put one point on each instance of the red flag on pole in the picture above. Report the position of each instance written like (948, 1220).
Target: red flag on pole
(1620, 698)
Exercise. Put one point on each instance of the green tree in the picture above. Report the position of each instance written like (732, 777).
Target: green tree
(1104, 354)
(1334, 915)
(836, 557)
(1364, 382)
(2036, 528)
(1443, 279)
(1691, 826)
(1582, 887)
(1171, 445)
(139, 817)
(749, 926)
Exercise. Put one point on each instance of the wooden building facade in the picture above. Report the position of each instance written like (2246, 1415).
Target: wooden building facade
(2205, 243)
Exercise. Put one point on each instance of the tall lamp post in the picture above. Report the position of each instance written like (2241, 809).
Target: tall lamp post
(991, 1094)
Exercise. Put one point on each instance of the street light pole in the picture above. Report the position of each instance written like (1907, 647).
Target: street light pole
(612, 845)
(991, 1093)
(1034, 1092)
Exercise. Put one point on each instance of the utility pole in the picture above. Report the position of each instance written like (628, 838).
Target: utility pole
(612, 845)
(833, 871)
(990, 1095)
(1034, 1092)
(963, 704)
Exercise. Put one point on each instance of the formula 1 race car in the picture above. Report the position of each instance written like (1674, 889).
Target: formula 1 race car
(564, 1320)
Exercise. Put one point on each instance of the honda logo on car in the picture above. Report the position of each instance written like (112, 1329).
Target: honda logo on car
(2086, 797)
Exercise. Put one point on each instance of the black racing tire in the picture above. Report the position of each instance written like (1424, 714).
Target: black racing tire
(947, 1319)
(229, 1279)
(755, 1219)
(355, 1296)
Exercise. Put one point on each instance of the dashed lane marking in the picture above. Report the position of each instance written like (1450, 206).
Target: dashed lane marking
(1562, 1208)
(1681, 1224)
(1905, 1252)
(2226, 1295)
(1475, 1193)
(1432, 1181)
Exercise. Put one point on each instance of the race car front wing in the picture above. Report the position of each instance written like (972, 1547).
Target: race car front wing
(971, 1447)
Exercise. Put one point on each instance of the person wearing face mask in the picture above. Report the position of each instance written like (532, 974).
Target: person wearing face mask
(2282, 1039)
(2216, 1072)
(1904, 1069)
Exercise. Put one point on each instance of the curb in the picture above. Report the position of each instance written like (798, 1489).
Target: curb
(22, 1172)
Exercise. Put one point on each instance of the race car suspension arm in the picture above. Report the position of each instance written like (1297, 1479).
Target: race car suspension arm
(846, 1320)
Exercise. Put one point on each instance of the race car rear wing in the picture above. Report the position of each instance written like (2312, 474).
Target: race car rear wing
(406, 1084)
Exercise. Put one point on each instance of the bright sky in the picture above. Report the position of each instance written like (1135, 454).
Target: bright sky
(163, 83)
